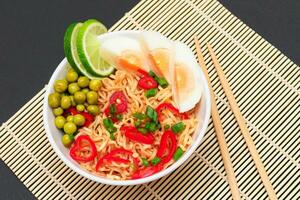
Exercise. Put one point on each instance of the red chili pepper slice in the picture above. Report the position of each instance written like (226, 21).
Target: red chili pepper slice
(88, 118)
(163, 147)
(112, 117)
(110, 159)
(148, 171)
(147, 82)
(143, 72)
(170, 107)
(119, 99)
(107, 113)
(133, 134)
(136, 163)
(77, 147)
(112, 156)
(70, 111)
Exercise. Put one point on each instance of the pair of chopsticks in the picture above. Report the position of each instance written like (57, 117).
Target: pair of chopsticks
(242, 124)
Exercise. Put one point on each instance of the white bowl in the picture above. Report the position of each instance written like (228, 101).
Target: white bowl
(54, 135)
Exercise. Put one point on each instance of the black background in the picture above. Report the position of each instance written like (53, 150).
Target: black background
(31, 46)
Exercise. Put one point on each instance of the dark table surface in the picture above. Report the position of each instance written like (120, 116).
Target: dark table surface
(31, 37)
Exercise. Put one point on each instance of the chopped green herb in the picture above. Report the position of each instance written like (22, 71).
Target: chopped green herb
(155, 161)
(119, 117)
(151, 126)
(112, 109)
(152, 114)
(149, 111)
(111, 129)
(137, 123)
(145, 162)
(151, 92)
(112, 136)
(142, 130)
(162, 82)
(152, 74)
(109, 126)
(140, 116)
(178, 153)
(178, 128)
(147, 125)
(167, 127)
(108, 123)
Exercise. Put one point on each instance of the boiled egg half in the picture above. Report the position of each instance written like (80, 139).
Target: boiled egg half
(186, 86)
(124, 53)
(160, 53)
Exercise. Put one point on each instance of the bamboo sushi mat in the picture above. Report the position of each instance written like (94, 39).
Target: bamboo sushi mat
(266, 85)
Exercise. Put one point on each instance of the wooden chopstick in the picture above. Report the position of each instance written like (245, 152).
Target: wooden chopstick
(242, 124)
(219, 130)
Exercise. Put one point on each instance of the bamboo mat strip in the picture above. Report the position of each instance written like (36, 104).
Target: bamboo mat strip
(265, 83)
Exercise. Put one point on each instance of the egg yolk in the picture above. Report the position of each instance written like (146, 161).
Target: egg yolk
(161, 60)
(184, 83)
(130, 60)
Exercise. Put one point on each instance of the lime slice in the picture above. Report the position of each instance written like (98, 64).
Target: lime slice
(70, 49)
(89, 48)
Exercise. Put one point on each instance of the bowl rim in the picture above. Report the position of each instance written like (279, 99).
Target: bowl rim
(99, 179)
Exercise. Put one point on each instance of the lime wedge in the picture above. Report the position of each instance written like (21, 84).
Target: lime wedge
(70, 49)
(88, 48)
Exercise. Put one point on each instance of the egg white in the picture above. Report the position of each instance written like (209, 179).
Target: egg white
(155, 40)
(152, 41)
(111, 47)
(187, 98)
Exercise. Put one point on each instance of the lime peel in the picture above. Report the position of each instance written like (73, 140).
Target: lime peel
(88, 48)
(70, 49)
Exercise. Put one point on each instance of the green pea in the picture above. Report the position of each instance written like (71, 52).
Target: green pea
(70, 128)
(95, 85)
(93, 109)
(71, 76)
(67, 140)
(60, 85)
(83, 81)
(56, 94)
(58, 111)
(79, 120)
(60, 122)
(85, 90)
(54, 100)
(80, 107)
(79, 97)
(73, 103)
(73, 87)
(65, 102)
(92, 97)
(64, 94)
(70, 118)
